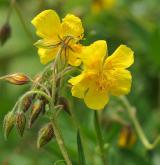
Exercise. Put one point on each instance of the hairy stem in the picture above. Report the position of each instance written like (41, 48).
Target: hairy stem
(57, 132)
(10, 11)
(29, 93)
(99, 137)
(60, 142)
(132, 114)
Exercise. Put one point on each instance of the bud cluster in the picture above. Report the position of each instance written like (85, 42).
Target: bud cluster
(32, 105)
(36, 106)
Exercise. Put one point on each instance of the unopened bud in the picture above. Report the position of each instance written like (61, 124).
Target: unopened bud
(43, 108)
(127, 137)
(26, 103)
(64, 102)
(17, 79)
(5, 33)
(36, 110)
(20, 122)
(45, 134)
(45, 102)
(8, 123)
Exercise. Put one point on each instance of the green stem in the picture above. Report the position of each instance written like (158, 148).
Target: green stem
(99, 137)
(57, 131)
(57, 58)
(60, 142)
(40, 77)
(59, 137)
(40, 85)
(55, 75)
(10, 11)
(58, 161)
(22, 21)
(20, 101)
(3, 77)
(159, 90)
(53, 88)
(132, 114)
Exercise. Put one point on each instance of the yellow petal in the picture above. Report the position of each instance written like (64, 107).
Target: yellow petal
(71, 26)
(109, 4)
(93, 55)
(121, 82)
(47, 55)
(47, 24)
(121, 58)
(77, 79)
(74, 60)
(79, 90)
(74, 55)
(80, 84)
(96, 99)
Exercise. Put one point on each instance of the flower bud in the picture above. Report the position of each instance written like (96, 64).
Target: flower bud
(64, 102)
(20, 122)
(26, 103)
(43, 107)
(5, 33)
(17, 79)
(8, 123)
(36, 110)
(45, 102)
(45, 134)
(127, 137)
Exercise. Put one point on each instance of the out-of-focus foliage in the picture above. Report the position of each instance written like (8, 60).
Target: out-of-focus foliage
(134, 23)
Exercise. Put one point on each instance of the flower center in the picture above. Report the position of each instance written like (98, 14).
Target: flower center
(104, 80)
(101, 81)
(65, 41)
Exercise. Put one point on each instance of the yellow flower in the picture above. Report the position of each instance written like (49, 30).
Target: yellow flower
(102, 76)
(98, 5)
(54, 33)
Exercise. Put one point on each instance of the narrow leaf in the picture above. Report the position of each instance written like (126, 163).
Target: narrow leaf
(80, 150)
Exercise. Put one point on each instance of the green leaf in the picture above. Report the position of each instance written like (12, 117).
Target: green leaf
(80, 150)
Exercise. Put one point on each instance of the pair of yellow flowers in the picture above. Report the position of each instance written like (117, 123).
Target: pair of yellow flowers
(102, 75)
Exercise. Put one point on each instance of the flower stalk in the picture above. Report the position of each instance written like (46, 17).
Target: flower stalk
(60, 142)
(99, 137)
(57, 132)
(30, 93)
(99, 75)
(132, 114)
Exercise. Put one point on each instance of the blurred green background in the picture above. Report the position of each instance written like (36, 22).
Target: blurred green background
(132, 22)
